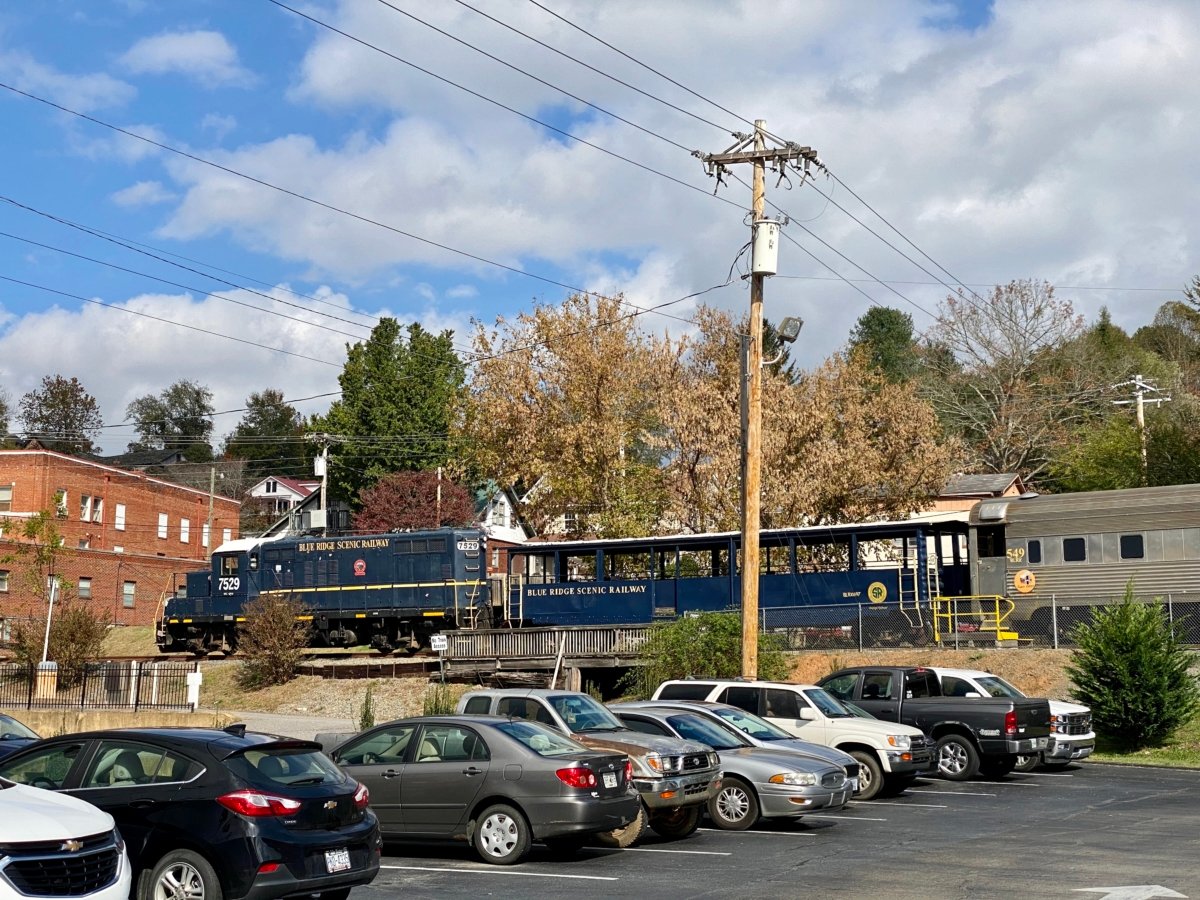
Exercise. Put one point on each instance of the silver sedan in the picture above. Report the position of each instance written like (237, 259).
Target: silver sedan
(758, 782)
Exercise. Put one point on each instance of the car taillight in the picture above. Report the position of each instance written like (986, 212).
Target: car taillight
(1010, 722)
(256, 804)
(577, 777)
(362, 797)
(628, 771)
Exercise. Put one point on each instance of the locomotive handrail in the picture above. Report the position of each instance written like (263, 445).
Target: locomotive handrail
(980, 619)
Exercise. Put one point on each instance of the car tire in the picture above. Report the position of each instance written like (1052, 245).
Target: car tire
(997, 766)
(627, 835)
(1027, 762)
(1056, 763)
(564, 847)
(957, 759)
(870, 775)
(676, 823)
(184, 873)
(501, 835)
(735, 807)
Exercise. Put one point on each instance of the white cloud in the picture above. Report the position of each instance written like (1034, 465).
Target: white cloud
(143, 193)
(205, 56)
(218, 125)
(85, 93)
(462, 292)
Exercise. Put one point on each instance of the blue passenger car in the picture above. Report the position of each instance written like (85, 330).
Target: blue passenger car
(386, 590)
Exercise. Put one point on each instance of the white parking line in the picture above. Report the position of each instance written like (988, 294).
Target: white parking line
(761, 833)
(1002, 783)
(848, 818)
(951, 793)
(910, 805)
(500, 872)
(1048, 774)
(665, 850)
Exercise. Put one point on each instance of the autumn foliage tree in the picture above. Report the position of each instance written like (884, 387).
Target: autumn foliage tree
(404, 501)
(61, 414)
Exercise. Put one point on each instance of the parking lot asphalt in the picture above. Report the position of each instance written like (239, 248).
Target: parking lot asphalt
(1062, 834)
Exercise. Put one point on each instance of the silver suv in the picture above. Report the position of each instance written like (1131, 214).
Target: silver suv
(675, 778)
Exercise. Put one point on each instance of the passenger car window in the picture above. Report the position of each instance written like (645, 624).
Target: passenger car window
(742, 697)
(956, 687)
(388, 745)
(1132, 546)
(876, 686)
(645, 726)
(539, 739)
(273, 766)
(47, 768)
(1035, 552)
(524, 708)
(688, 690)
(1074, 549)
(125, 763)
(783, 704)
(842, 686)
(477, 706)
(450, 743)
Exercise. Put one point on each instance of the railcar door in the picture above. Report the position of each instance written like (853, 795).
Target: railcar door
(991, 561)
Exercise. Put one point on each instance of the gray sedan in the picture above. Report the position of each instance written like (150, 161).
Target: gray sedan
(501, 783)
(758, 782)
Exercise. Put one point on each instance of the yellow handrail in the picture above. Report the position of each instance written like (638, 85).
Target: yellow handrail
(946, 609)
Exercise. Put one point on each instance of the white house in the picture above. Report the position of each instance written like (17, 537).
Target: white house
(282, 494)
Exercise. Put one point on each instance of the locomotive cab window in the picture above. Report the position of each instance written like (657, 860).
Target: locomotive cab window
(229, 565)
(991, 540)
(1133, 546)
(1075, 549)
(1034, 555)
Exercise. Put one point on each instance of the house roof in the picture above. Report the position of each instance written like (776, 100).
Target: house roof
(993, 485)
(303, 488)
(140, 459)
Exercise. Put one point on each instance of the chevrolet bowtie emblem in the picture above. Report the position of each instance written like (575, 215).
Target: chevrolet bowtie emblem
(72, 846)
(331, 804)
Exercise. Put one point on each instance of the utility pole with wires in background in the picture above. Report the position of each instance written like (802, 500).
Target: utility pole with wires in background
(321, 470)
(764, 260)
(1141, 388)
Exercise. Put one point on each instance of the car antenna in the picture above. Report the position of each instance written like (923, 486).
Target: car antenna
(237, 730)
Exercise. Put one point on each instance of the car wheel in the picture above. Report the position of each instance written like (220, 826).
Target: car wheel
(182, 875)
(676, 823)
(997, 766)
(501, 835)
(957, 759)
(564, 847)
(1027, 762)
(1056, 763)
(870, 775)
(627, 835)
(735, 808)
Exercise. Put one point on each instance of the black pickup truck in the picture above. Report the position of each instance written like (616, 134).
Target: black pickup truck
(974, 736)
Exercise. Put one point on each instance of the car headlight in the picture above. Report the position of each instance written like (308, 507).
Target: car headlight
(796, 778)
(900, 741)
(664, 765)
(713, 758)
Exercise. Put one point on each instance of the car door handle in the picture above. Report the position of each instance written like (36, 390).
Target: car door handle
(144, 803)
(389, 773)
(472, 771)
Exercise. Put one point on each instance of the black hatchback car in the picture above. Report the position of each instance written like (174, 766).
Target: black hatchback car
(216, 815)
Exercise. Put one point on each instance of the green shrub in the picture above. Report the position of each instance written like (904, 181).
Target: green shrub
(366, 712)
(708, 645)
(272, 639)
(439, 701)
(1131, 668)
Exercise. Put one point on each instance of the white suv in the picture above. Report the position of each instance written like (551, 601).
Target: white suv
(890, 755)
(53, 845)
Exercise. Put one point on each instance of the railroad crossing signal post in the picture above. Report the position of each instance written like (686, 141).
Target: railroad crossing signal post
(764, 259)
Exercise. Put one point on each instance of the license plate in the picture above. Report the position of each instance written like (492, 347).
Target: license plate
(337, 860)
(1040, 743)
(610, 779)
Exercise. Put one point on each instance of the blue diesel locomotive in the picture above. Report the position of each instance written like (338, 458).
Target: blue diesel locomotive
(391, 591)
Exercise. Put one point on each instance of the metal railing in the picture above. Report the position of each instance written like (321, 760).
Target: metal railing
(986, 614)
(545, 643)
(128, 685)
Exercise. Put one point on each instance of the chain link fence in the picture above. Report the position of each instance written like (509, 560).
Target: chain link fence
(128, 685)
(1036, 622)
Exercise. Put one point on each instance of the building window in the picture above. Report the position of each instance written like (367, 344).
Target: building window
(204, 535)
(85, 507)
(85, 588)
(119, 517)
(98, 509)
(226, 535)
(1132, 547)
(118, 549)
(1075, 549)
(162, 526)
(4, 581)
(185, 530)
(128, 594)
(85, 544)
(6, 497)
(272, 487)
(60, 502)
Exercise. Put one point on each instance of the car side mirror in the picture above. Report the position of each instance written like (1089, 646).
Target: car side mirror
(972, 694)
(808, 714)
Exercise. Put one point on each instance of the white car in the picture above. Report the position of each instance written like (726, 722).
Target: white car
(1071, 735)
(53, 845)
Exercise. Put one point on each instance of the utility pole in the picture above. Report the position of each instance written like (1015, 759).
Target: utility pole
(321, 470)
(1140, 389)
(764, 262)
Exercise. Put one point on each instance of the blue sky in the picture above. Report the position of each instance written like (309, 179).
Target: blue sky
(1008, 140)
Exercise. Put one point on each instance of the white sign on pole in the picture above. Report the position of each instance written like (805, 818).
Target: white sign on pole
(439, 642)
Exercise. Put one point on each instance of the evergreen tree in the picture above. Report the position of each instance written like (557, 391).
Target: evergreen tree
(180, 418)
(269, 432)
(885, 337)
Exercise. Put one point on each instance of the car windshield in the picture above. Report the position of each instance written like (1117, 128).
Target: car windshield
(540, 739)
(11, 729)
(995, 686)
(857, 710)
(706, 731)
(828, 704)
(752, 724)
(273, 767)
(582, 713)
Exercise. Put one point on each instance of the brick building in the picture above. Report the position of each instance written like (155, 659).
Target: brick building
(125, 534)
